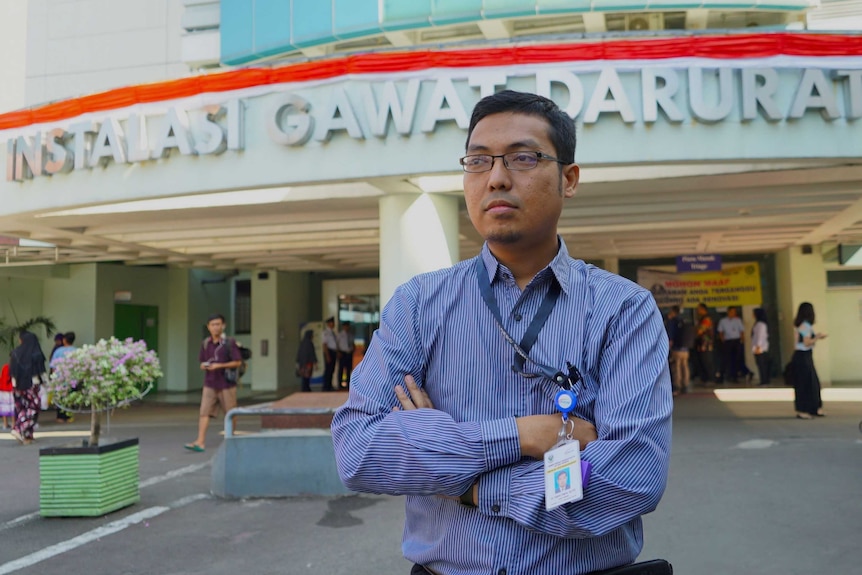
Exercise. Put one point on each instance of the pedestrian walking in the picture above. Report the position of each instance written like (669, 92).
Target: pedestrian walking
(680, 339)
(306, 359)
(760, 344)
(346, 347)
(218, 353)
(806, 384)
(27, 366)
(7, 399)
(703, 344)
(68, 346)
(330, 354)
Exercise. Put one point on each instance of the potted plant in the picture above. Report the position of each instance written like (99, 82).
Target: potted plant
(96, 478)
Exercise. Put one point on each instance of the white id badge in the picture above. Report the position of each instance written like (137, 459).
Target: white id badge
(563, 475)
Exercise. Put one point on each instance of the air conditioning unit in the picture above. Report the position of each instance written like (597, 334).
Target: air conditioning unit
(644, 22)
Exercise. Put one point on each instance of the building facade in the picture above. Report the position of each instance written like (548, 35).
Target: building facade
(282, 162)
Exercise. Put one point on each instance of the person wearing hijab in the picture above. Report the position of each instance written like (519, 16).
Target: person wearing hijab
(306, 359)
(27, 367)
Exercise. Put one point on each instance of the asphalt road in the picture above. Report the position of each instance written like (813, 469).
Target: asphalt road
(752, 490)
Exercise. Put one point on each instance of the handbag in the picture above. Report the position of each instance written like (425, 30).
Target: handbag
(305, 370)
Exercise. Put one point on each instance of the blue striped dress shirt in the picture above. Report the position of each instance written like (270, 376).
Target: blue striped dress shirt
(437, 328)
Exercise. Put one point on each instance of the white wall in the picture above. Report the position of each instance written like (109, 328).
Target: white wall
(77, 47)
(71, 302)
(13, 35)
(802, 277)
(844, 316)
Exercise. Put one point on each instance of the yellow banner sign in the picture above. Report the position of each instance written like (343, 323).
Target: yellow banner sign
(732, 286)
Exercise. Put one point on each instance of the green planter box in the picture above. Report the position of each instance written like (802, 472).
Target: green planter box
(88, 481)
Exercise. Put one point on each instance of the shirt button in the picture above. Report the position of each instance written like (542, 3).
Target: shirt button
(502, 571)
(518, 317)
(496, 509)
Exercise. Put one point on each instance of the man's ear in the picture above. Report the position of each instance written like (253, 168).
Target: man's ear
(571, 175)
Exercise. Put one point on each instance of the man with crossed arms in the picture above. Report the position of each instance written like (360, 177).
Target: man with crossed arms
(437, 413)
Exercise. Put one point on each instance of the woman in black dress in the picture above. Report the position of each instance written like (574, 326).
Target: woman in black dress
(806, 384)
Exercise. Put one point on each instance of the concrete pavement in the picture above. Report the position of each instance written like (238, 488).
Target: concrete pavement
(752, 490)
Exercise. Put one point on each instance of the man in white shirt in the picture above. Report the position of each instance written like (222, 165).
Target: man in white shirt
(345, 355)
(330, 353)
(732, 333)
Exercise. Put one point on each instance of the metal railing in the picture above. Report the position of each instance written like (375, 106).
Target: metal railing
(267, 409)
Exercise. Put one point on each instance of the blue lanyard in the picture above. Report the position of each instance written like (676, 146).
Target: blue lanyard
(522, 350)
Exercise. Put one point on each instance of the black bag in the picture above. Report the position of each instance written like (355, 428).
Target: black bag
(233, 374)
(654, 567)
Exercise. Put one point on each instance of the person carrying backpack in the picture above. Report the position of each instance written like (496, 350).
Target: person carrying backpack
(680, 339)
(220, 359)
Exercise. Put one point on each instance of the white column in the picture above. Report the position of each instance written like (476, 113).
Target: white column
(264, 327)
(418, 233)
(612, 265)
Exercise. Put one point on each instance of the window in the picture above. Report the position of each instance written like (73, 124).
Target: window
(844, 278)
(242, 307)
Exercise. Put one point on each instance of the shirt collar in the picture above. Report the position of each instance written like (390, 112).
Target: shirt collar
(559, 266)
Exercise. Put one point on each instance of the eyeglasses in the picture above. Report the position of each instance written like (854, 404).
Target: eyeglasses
(513, 161)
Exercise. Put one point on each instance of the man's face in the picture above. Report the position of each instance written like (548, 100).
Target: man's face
(561, 481)
(516, 207)
(731, 312)
(215, 327)
(330, 324)
(701, 312)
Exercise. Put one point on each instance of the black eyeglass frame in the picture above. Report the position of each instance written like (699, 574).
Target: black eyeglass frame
(539, 156)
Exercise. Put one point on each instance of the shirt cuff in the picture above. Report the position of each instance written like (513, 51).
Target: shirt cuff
(494, 492)
(501, 442)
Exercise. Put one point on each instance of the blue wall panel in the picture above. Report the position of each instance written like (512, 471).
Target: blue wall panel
(272, 23)
(312, 22)
(554, 6)
(398, 14)
(355, 18)
(455, 11)
(237, 30)
(253, 29)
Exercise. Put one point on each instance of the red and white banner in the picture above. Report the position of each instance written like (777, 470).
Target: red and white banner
(779, 50)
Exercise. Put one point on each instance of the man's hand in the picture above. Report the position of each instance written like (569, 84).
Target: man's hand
(417, 398)
(539, 433)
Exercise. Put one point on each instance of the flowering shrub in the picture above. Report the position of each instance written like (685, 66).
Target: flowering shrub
(109, 374)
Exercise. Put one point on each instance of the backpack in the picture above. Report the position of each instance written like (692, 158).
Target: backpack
(689, 333)
(233, 374)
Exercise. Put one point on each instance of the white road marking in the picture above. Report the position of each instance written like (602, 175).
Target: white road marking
(756, 444)
(175, 473)
(95, 534)
(18, 521)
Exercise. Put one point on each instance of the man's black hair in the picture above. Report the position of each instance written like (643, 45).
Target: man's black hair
(69, 337)
(562, 127)
(216, 316)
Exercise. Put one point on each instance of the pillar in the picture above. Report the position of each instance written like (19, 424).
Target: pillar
(612, 265)
(801, 277)
(418, 233)
(265, 330)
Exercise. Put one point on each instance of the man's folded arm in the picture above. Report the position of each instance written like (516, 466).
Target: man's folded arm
(420, 452)
(629, 459)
